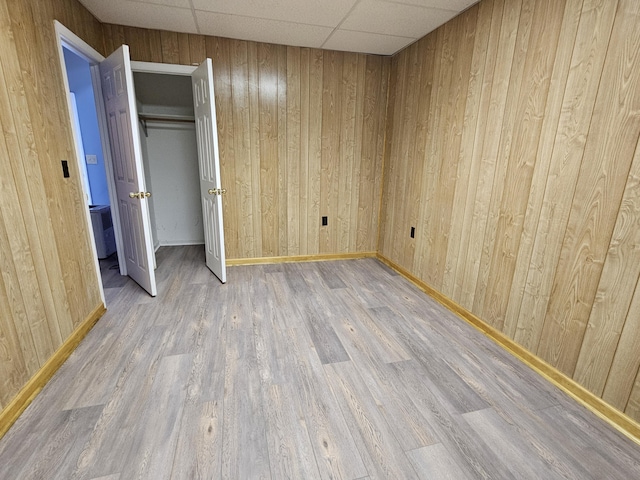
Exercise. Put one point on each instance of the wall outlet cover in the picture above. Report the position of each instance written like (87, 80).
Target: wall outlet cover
(91, 159)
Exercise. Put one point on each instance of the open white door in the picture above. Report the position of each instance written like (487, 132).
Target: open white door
(124, 137)
(209, 160)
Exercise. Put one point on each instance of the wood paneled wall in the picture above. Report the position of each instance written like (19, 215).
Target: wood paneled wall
(512, 147)
(511, 143)
(301, 136)
(48, 285)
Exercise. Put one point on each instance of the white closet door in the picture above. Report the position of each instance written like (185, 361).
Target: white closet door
(211, 192)
(124, 137)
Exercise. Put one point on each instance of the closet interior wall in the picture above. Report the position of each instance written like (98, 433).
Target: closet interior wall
(170, 158)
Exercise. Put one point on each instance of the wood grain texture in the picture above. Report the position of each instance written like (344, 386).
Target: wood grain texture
(435, 462)
(49, 286)
(531, 108)
(211, 380)
(509, 139)
(525, 205)
(301, 135)
(550, 125)
(597, 405)
(21, 401)
(466, 185)
(504, 159)
(614, 132)
(610, 311)
(591, 43)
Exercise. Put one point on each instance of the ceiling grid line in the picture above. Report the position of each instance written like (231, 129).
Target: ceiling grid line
(380, 27)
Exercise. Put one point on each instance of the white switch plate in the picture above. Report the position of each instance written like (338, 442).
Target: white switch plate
(91, 159)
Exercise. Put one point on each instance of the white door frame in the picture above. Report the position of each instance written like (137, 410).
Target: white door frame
(184, 70)
(66, 38)
(166, 68)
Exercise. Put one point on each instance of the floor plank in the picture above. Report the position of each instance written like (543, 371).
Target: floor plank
(328, 370)
(434, 461)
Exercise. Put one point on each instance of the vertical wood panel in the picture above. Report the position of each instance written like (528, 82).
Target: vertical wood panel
(303, 185)
(612, 140)
(218, 50)
(184, 54)
(531, 107)
(245, 193)
(633, 405)
(395, 125)
(499, 86)
(253, 215)
(316, 108)
(48, 281)
(301, 135)
(551, 121)
(369, 190)
(353, 189)
(410, 181)
(463, 288)
(527, 212)
(197, 49)
(583, 81)
(282, 158)
(347, 151)
(140, 47)
(155, 45)
(502, 162)
(612, 301)
(240, 136)
(331, 135)
(269, 148)
(451, 138)
(423, 259)
(169, 45)
(294, 155)
(467, 175)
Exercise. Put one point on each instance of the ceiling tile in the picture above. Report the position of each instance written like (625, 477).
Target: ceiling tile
(139, 14)
(364, 42)
(261, 30)
(387, 18)
(457, 5)
(327, 13)
(170, 3)
(374, 26)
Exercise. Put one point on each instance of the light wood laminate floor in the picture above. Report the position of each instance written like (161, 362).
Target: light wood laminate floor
(314, 370)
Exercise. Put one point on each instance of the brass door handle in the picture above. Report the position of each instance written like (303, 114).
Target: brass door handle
(217, 191)
(139, 195)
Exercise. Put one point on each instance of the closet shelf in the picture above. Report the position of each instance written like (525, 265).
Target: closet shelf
(145, 117)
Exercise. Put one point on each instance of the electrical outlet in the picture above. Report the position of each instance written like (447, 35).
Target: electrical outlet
(325, 221)
(91, 159)
(413, 232)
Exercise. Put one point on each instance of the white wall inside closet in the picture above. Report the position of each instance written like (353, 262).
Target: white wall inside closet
(165, 103)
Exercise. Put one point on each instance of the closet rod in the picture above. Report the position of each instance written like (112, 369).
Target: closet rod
(143, 118)
(166, 118)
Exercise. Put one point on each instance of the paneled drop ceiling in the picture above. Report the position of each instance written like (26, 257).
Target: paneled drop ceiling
(370, 26)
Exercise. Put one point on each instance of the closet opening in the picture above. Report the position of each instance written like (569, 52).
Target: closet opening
(157, 131)
(170, 157)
